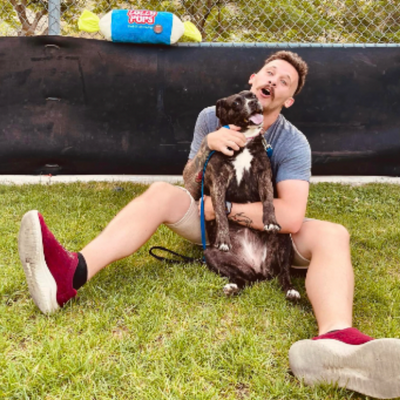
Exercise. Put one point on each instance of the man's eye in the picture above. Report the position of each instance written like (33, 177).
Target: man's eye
(284, 82)
(269, 72)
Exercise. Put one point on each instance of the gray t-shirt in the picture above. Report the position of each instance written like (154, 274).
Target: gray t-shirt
(291, 157)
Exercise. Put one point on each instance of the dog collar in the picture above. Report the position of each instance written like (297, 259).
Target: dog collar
(268, 148)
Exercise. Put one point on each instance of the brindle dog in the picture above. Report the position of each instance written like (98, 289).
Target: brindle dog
(242, 254)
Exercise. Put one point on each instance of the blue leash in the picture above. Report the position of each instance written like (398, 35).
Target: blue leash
(269, 151)
(202, 219)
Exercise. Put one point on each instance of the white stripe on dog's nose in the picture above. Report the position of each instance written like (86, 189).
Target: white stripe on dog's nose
(241, 163)
(247, 107)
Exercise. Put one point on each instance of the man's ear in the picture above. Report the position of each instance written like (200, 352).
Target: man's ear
(288, 103)
(251, 79)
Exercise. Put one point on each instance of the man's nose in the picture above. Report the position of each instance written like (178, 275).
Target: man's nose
(272, 83)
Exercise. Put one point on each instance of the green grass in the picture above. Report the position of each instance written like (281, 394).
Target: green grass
(145, 330)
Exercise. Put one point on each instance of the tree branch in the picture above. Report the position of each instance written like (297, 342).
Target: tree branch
(28, 29)
(35, 22)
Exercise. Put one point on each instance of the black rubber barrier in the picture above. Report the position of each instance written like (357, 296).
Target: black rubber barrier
(81, 106)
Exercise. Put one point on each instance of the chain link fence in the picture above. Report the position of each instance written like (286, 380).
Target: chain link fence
(235, 21)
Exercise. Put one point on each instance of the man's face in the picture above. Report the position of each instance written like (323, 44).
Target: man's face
(275, 84)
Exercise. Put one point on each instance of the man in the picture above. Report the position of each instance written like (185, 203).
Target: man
(54, 274)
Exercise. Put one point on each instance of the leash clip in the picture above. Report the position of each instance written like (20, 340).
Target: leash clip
(268, 148)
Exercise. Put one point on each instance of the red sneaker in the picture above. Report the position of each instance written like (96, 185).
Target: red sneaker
(351, 360)
(49, 268)
(348, 335)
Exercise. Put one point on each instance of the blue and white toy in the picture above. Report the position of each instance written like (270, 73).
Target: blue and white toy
(139, 26)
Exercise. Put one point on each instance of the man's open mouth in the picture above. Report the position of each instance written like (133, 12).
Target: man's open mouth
(267, 91)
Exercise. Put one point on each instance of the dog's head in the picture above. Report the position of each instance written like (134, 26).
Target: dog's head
(242, 109)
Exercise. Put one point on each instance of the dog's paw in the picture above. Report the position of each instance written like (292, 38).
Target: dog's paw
(272, 228)
(222, 241)
(224, 247)
(230, 289)
(293, 295)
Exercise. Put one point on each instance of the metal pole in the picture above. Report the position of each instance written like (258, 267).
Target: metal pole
(54, 17)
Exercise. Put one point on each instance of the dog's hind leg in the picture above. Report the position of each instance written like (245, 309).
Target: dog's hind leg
(226, 265)
(284, 259)
(231, 289)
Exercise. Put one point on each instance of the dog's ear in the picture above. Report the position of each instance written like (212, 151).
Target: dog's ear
(219, 111)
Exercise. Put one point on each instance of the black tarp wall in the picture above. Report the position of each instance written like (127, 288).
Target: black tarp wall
(81, 106)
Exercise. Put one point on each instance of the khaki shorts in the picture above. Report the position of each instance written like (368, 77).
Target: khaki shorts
(189, 228)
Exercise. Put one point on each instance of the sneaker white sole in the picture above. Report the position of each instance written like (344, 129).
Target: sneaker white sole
(372, 369)
(41, 284)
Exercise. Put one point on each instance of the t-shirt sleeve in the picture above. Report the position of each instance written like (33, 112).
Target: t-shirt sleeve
(202, 128)
(295, 163)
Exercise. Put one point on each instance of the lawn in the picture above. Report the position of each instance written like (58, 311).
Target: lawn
(142, 329)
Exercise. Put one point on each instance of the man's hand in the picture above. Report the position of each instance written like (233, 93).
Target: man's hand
(226, 140)
(209, 213)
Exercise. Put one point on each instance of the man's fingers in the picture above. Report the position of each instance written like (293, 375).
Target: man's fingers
(233, 145)
(223, 138)
(230, 144)
(227, 151)
(237, 137)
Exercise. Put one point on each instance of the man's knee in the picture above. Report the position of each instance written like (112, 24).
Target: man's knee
(338, 231)
(169, 199)
(315, 234)
(160, 189)
(164, 191)
(330, 232)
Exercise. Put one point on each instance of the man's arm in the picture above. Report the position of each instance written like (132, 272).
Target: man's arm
(290, 208)
(193, 170)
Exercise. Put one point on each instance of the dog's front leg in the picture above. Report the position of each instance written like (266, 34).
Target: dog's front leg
(266, 192)
(217, 193)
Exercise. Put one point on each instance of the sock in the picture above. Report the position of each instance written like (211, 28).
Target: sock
(348, 335)
(80, 275)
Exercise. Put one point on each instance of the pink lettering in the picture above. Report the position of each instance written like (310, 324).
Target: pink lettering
(141, 17)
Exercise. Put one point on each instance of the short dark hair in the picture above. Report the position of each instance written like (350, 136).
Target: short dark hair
(296, 61)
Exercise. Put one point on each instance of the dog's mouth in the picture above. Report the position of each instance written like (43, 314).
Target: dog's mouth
(256, 119)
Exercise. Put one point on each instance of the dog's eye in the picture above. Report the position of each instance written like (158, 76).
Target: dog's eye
(235, 104)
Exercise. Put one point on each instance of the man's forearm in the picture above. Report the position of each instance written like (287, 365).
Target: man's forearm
(193, 171)
(251, 215)
(247, 214)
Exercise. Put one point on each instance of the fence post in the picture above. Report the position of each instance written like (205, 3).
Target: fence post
(54, 17)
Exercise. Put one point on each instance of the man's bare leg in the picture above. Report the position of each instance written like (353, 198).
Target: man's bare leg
(338, 355)
(54, 274)
(330, 278)
(135, 224)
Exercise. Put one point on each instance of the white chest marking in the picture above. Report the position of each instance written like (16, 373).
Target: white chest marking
(242, 162)
(253, 251)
